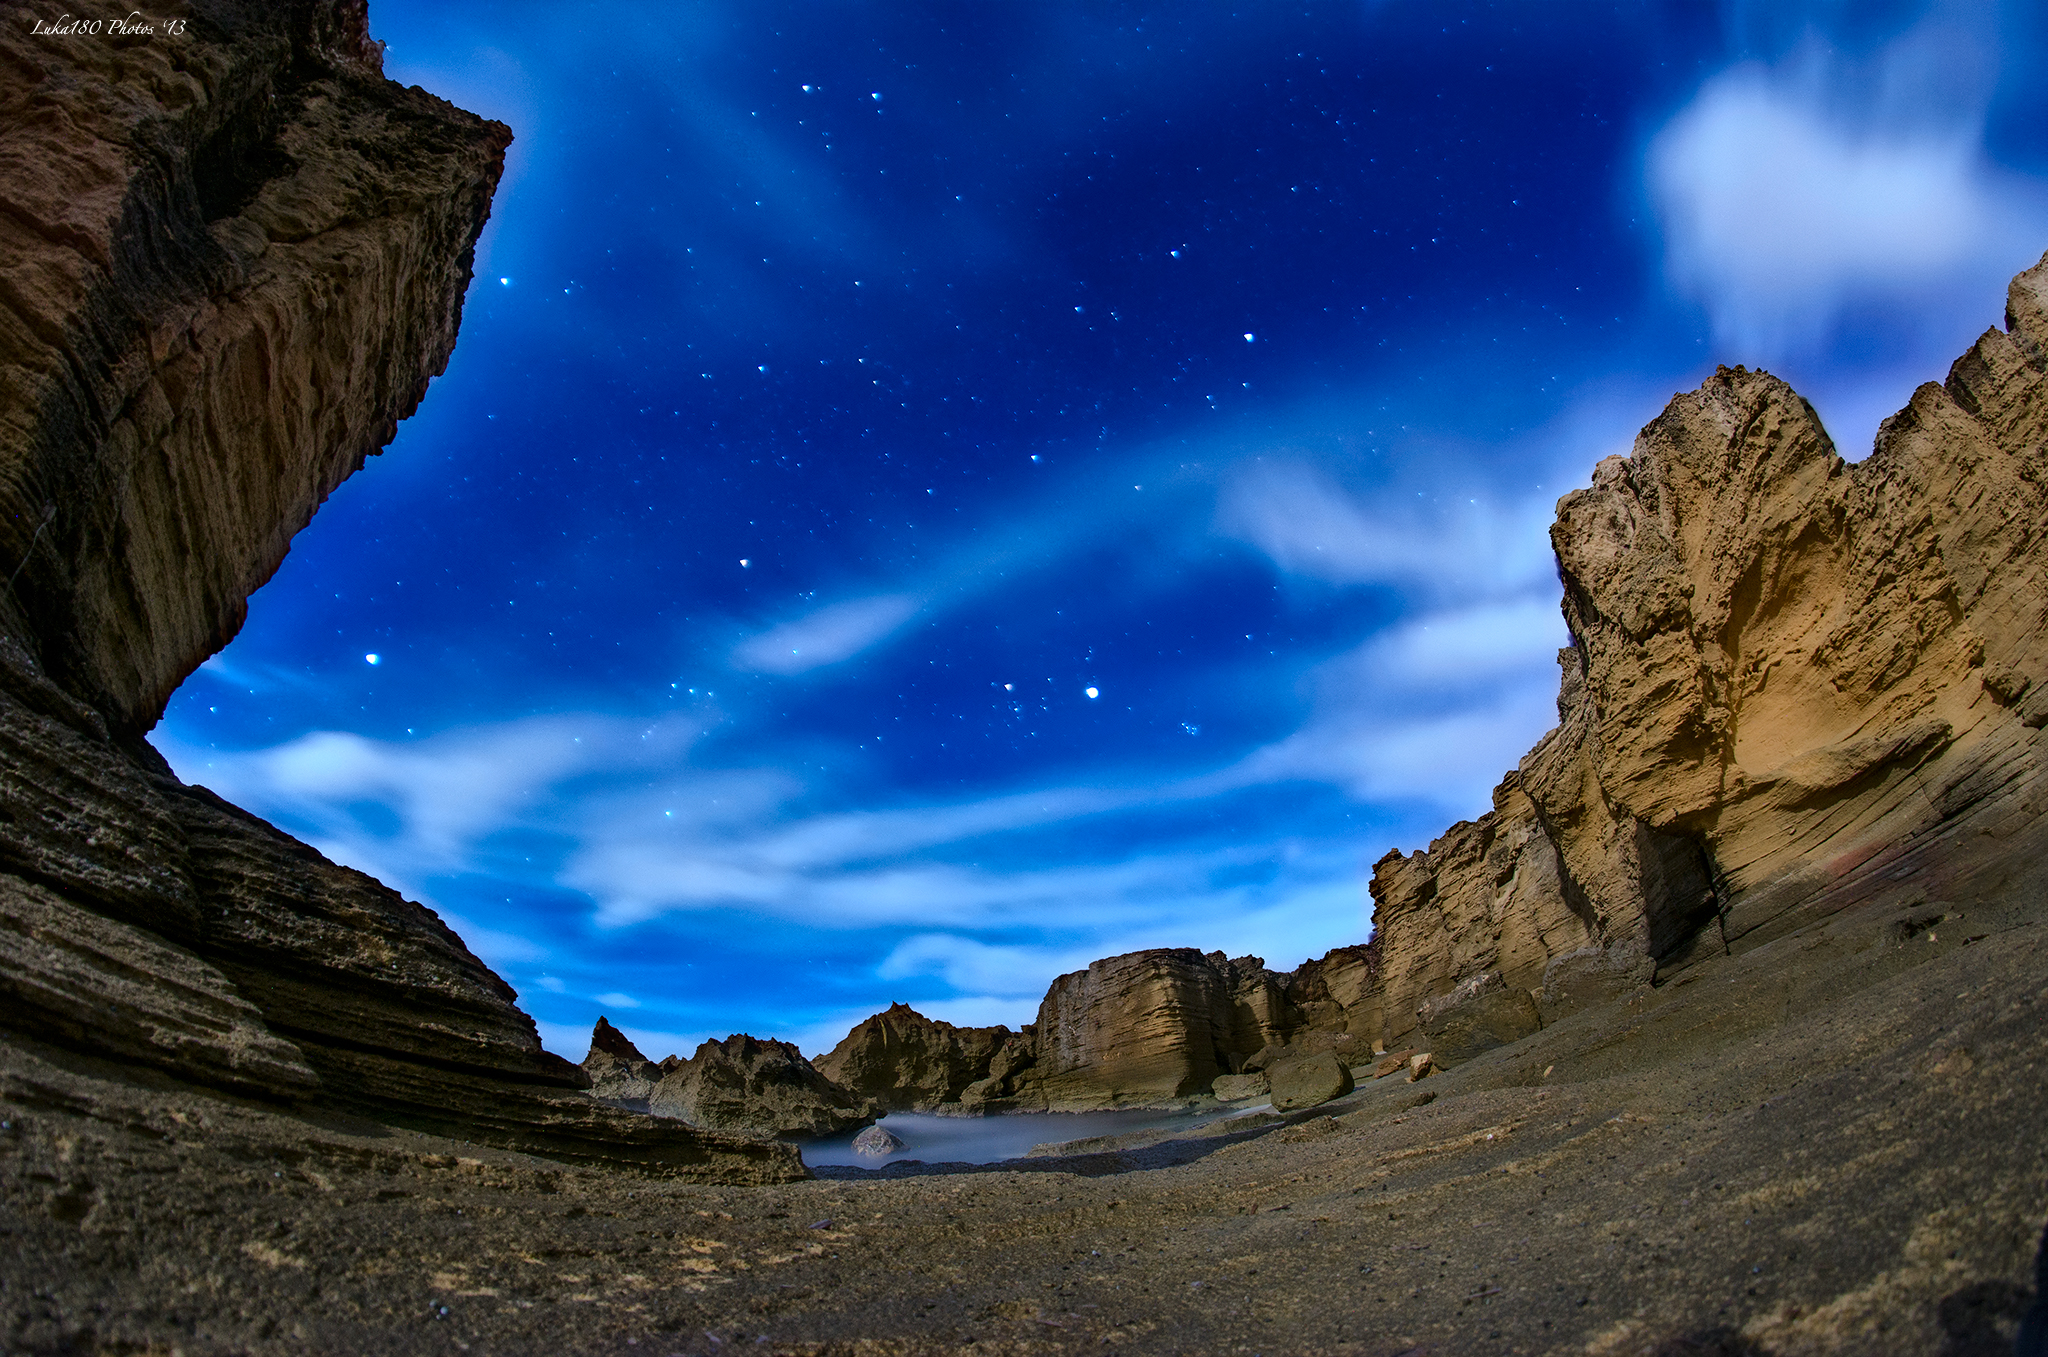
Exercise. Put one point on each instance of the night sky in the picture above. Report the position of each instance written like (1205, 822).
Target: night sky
(927, 496)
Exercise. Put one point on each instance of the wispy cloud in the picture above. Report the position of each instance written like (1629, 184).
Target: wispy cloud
(1791, 194)
(1438, 546)
(827, 636)
(1423, 711)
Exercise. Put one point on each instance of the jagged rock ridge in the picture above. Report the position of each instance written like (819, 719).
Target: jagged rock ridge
(1786, 670)
(762, 1090)
(228, 266)
(905, 1061)
(1783, 667)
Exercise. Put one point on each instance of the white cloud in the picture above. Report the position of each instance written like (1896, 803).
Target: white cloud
(827, 636)
(976, 967)
(1790, 194)
(1449, 544)
(1434, 710)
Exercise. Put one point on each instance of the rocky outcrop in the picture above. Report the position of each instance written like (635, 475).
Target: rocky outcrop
(763, 1090)
(904, 1061)
(1149, 1026)
(1785, 670)
(230, 262)
(618, 1072)
(1145, 1028)
(1784, 667)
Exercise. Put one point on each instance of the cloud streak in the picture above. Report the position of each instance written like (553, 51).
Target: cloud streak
(827, 636)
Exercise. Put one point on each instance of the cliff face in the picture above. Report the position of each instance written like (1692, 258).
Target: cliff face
(1796, 686)
(230, 261)
(758, 1089)
(1784, 668)
(905, 1061)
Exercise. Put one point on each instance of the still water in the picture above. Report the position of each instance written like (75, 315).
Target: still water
(983, 1140)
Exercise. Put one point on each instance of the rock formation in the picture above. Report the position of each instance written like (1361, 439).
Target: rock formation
(1146, 1028)
(763, 1090)
(904, 1061)
(618, 1072)
(229, 265)
(1782, 667)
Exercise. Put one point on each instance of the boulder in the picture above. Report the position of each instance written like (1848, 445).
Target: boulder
(1237, 1088)
(877, 1142)
(1308, 1081)
(1478, 1015)
(905, 1061)
(1421, 1065)
(759, 1089)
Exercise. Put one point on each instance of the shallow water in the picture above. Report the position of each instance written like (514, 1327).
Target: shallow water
(984, 1140)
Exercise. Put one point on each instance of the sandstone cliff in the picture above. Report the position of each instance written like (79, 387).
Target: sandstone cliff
(1787, 672)
(1146, 1028)
(229, 263)
(905, 1061)
(763, 1090)
(1784, 667)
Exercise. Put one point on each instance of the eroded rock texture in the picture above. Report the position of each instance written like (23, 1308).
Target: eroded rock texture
(1783, 666)
(762, 1090)
(1787, 671)
(230, 262)
(904, 1061)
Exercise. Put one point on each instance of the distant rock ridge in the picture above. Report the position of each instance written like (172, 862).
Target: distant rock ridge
(230, 263)
(1786, 672)
(744, 1086)
(905, 1061)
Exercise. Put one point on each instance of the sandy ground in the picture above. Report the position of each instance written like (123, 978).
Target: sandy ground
(1829, 1145)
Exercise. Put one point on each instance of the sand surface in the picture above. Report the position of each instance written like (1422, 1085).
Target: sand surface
(1831, 1144)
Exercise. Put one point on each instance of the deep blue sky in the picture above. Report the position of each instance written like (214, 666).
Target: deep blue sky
(930, 495)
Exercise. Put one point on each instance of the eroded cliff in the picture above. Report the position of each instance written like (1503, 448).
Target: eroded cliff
(1796, 685)
(230, 262)
(1785, 668)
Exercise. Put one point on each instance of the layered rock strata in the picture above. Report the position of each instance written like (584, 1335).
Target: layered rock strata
(1147, 1028)
(763, 1090)
(230, 262)
(1782, 666)
(904, 1061)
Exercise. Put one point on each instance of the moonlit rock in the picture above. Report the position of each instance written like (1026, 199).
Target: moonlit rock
(877, 1141)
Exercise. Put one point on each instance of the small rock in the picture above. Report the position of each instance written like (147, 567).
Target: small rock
(1421, 1066)
(1306, 1082)
(1957, 1061)
(877, 1141)
(1237, 1088)
(1392, 1062)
